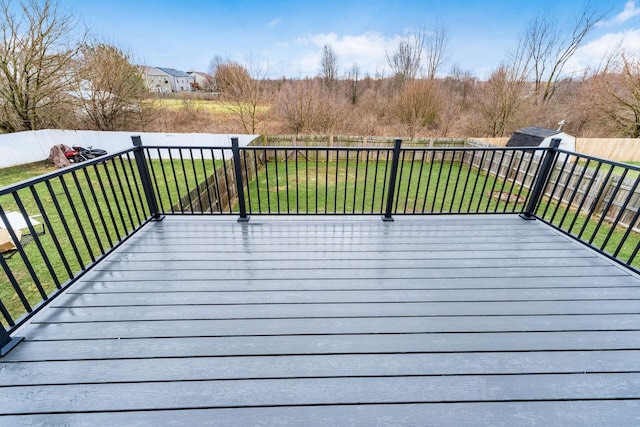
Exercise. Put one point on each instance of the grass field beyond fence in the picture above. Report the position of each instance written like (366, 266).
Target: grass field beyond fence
(360, 188)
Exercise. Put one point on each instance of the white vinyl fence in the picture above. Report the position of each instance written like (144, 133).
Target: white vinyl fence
(32, 146)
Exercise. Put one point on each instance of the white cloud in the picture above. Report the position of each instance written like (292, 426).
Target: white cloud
(274, 23)
(366, 50)
(592, 54)
(630, 11)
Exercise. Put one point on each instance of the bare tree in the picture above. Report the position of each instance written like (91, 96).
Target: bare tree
(435, 50)
(295, 104)
(405, 59)
(548, 48)
(231, 77)
(418, 105)
(354, 88)
(36, 54)
(461, 83)
(617, 95)
(243, 89)
(329, 68)
(110, 90)
(499, 103)
(305, 106)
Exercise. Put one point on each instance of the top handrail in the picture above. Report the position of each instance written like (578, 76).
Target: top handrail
(629, 166)
(62, 171)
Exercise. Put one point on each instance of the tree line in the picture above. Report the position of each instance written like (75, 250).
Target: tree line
(52, 76)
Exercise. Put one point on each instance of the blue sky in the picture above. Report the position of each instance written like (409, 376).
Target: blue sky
(289, 35)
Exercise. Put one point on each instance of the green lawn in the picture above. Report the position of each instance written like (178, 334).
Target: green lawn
(360, 188)
(16, 174)
(592, 231)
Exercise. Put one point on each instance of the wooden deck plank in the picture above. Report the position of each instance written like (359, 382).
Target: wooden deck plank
(378, 255)
(347, 242)
(339, 264)
(93, 285)
(343, 236)
(179, 246)
(382, 325)
(324, 344)
(333, 321)
(319, 391)
(373, 273)
(565, 413)
(313, 366)
(275, 311)
(346, 296)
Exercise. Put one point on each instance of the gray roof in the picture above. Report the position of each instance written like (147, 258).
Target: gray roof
(538, 131)
(531, 136)
(173, 72)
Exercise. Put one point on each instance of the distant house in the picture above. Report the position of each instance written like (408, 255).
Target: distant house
(203, 81)
(165, 80)
(157, 80)
(180, 81)
(534, 136)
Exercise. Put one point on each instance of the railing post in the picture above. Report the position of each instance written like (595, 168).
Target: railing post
(392, 180)
(146, 179)
(541, 180)
(237, 165)
(6, 342)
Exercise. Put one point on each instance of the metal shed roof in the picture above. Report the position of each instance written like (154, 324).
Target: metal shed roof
(531, 136)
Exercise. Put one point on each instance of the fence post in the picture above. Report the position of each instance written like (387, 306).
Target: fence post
(237, 165)
(146, 179)
(541, 180)
(392, 180)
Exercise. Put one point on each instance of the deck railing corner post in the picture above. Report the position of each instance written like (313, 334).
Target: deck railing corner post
(544, 173)
(397, 144)
(237, 165)
(7, 343)
(145, 178)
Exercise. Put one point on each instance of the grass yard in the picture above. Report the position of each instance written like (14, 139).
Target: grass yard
(360, 188)
(16, 174)
(600, 234)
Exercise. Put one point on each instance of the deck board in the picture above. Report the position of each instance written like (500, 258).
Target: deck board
(336, 321)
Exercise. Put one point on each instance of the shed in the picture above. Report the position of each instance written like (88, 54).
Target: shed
(533, 136)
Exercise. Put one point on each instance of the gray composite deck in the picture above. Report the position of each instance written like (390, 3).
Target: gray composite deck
(336, 321)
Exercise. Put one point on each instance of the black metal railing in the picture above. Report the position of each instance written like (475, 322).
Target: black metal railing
(72, 219)
(89, 209)
(595, 201)
(341, 180)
